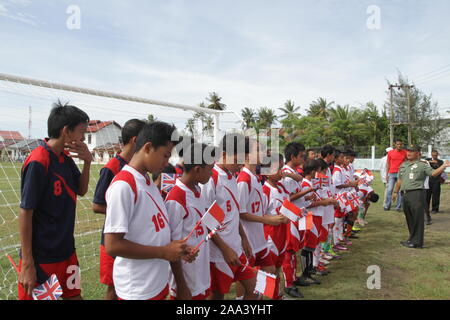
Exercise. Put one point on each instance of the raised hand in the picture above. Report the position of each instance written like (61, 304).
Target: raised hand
(80, 149)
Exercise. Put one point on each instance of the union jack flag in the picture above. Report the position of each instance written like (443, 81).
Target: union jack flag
(168, 181)
(49, 290)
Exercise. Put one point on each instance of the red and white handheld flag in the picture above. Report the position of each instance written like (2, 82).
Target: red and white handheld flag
(211, 234)
(291, 211)
(49, 290)
(306, 223)
(168, 181)
(213, 217)
(266, 284)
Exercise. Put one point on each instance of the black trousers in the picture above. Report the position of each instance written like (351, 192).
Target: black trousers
(414, 209)
(434, 193)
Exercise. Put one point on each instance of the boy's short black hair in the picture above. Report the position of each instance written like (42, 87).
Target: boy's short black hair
(310, 149)
(323, 165)
(350, 153)
(373, 197)
(195, 154)
(170, 169)
(131, 129)
(292, 150)
(183, 142)
(337, 153)
(63, 115)
(310, 166)
(327, 150)
(233, 143)
(158, 133)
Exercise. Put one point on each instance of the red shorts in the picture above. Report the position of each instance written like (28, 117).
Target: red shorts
(309, 239)
(323, 232)
(277, 259)
(338, 213)
(106, 267)
(160, 296)
(293, 238)
(261, 259)
(62, 272)
(203, 296)
(223, 275)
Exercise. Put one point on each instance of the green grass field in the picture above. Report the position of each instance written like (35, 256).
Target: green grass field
(405, 273)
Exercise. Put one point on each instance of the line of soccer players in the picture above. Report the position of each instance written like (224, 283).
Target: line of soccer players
(153, 245)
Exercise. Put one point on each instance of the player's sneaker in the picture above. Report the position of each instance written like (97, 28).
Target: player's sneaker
(340, 247)
(302, 282)
(314, 280)
(347, 242)
(293, 292)
(334, 254)
(327, 256)
(324, 261)
(356, 229)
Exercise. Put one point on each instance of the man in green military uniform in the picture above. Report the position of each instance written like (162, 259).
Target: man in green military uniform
(412, 174)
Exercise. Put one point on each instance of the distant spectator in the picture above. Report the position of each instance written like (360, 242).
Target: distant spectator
(434, 191)
(395, 159)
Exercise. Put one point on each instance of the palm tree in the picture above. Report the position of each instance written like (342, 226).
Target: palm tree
(290, 110)
(340, 113)
(249, 117)
(266, 117)
(190, 126)
(320, 108)
(208, 124)
(214, 102)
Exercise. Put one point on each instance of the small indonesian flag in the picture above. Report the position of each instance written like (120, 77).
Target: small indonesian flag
(49, 290)
(306, 223)
(168, 181)
(291, 211)
(266, 284)
(214, 217)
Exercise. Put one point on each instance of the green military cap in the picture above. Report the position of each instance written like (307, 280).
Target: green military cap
(413, 148)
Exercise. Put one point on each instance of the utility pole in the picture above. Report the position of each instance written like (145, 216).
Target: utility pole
(392, 124)
(391, 118)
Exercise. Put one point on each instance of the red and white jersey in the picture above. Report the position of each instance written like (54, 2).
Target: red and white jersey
(330, 179)
(185, 208)
(276, 235)
(317, 211)
(222, 187)
(348, 177)
(326, 193)
(252, 201)
(351, 169)
(338, 178)
(135, 208)
(293, 186)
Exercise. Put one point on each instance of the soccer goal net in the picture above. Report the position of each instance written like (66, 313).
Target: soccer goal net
(24, 107)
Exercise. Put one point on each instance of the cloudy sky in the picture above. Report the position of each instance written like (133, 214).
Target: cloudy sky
(254, 53)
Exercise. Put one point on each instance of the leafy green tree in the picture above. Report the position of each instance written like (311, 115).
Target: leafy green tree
(214, 102)
(320, 108)
(266, 118)
(249, 117)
